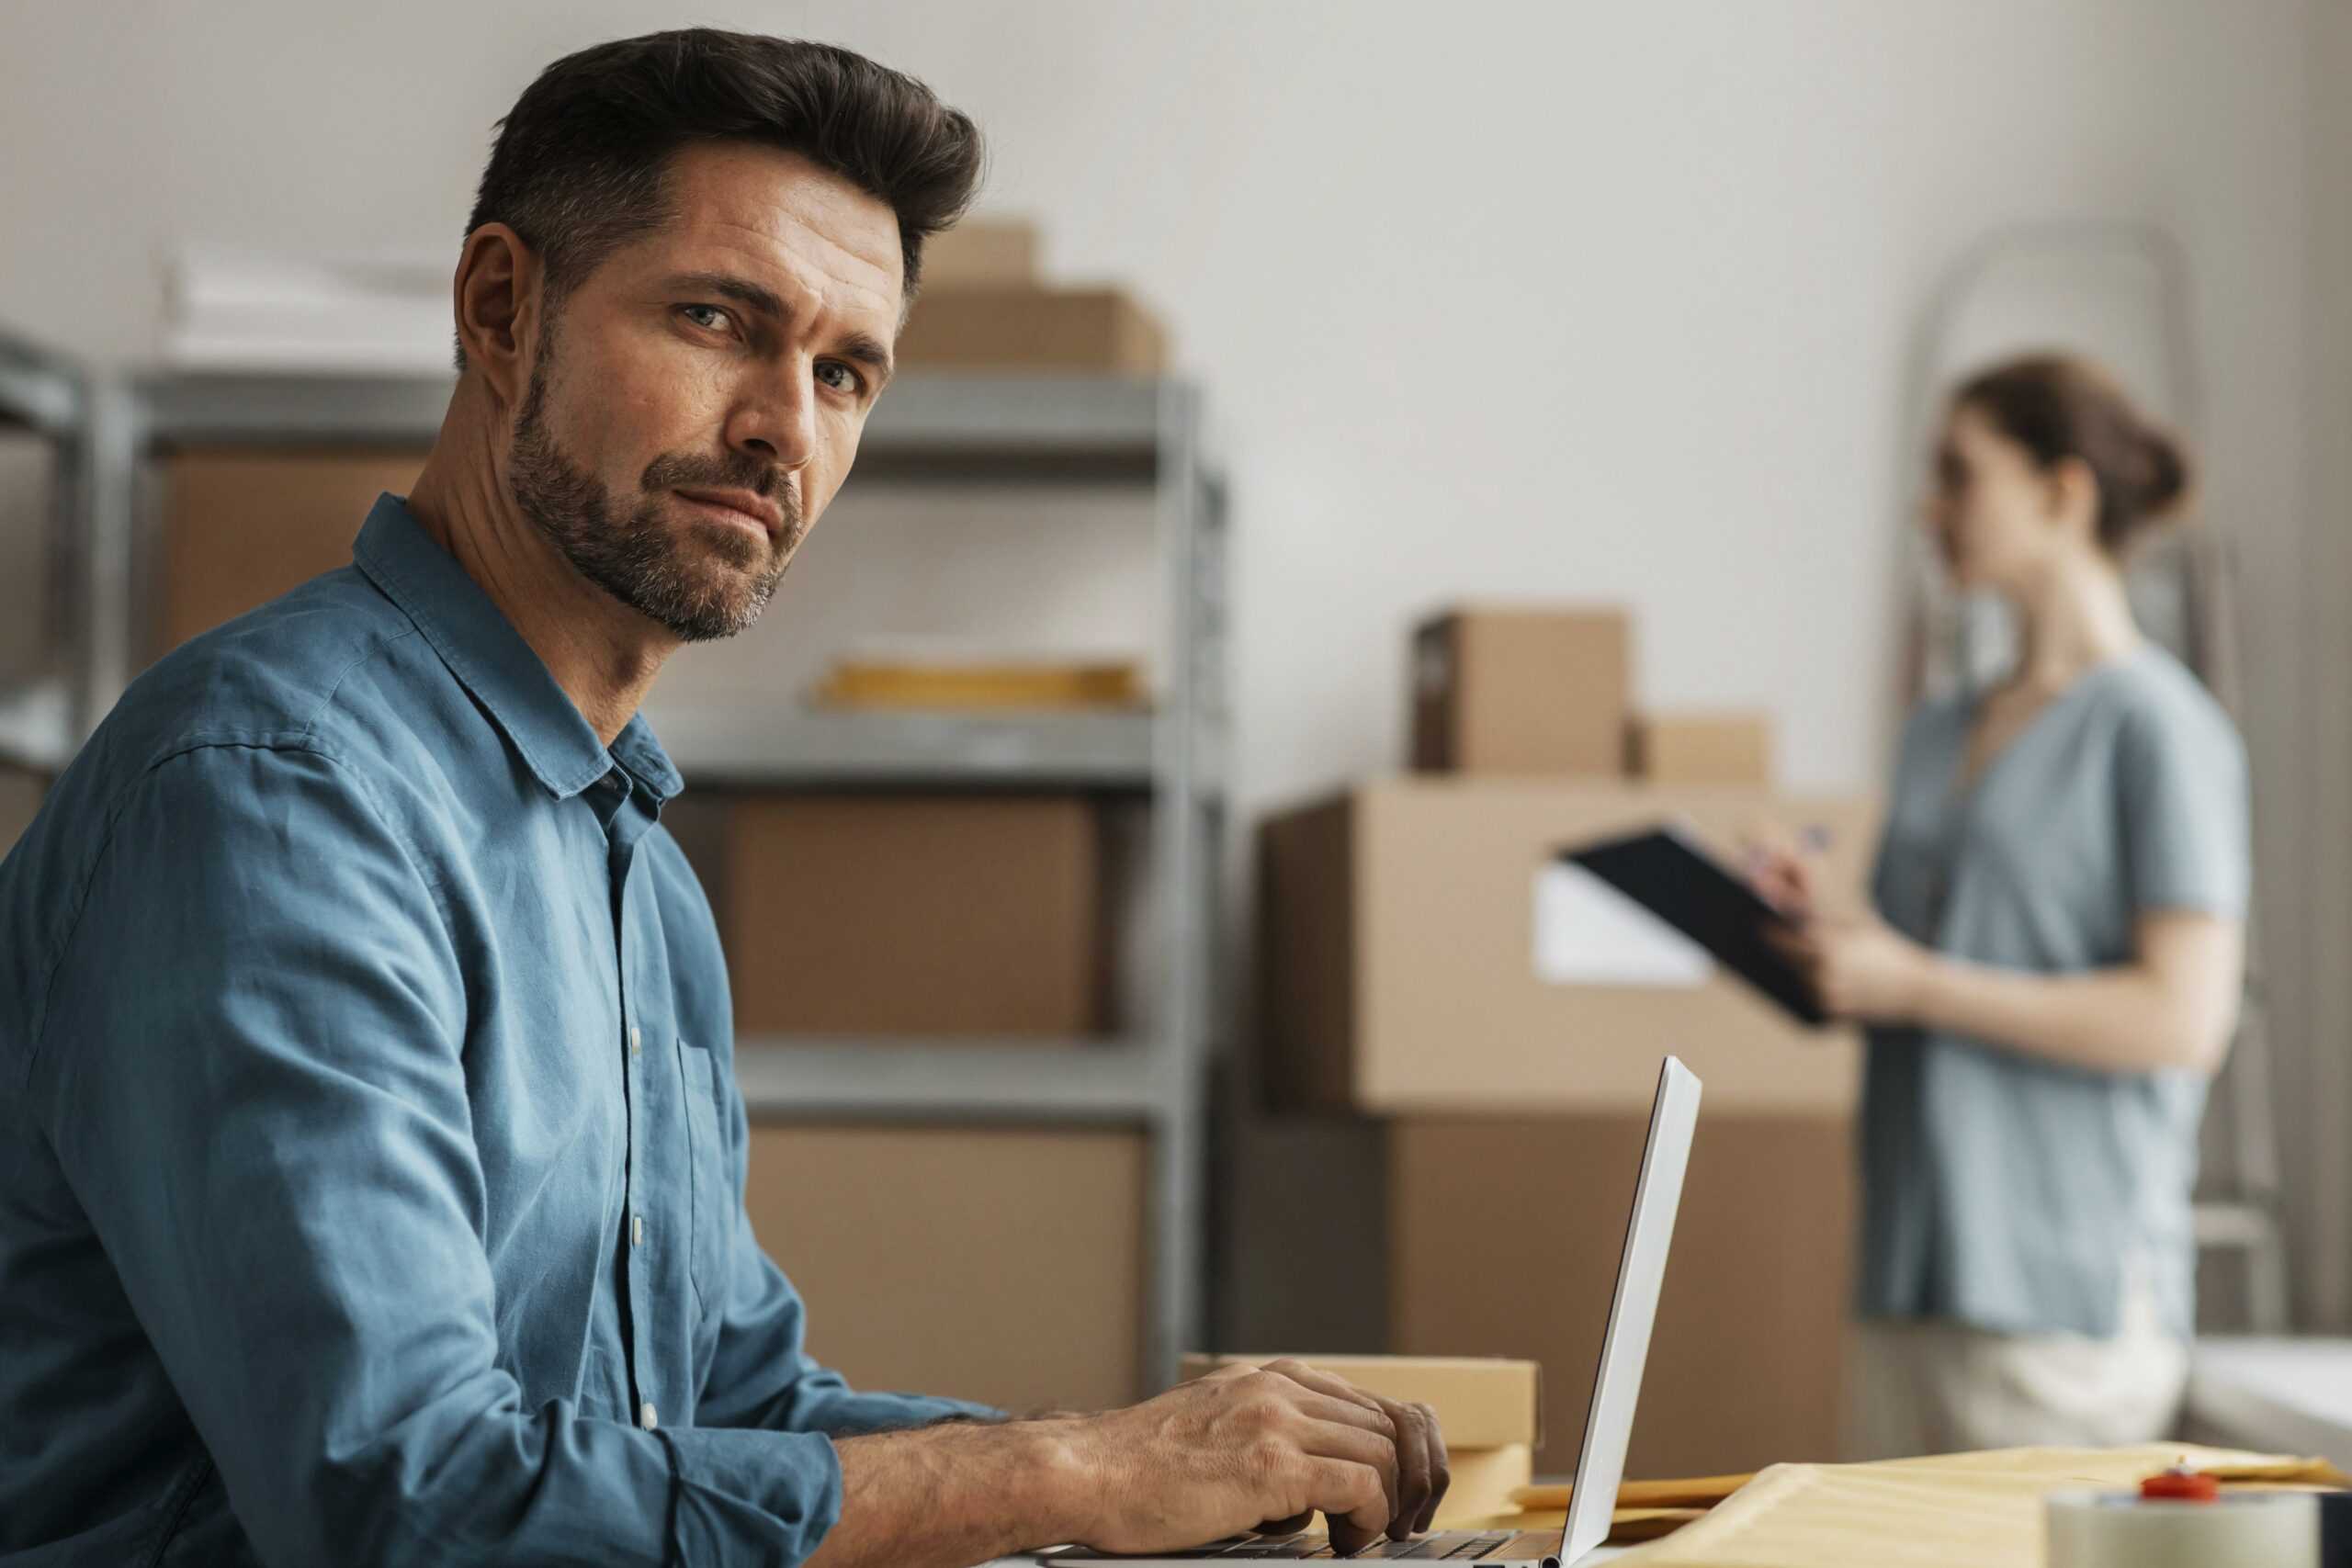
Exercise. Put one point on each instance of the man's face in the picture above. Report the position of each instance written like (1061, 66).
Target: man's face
(696, 400)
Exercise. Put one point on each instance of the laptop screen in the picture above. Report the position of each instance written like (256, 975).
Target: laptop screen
(1641, 1271)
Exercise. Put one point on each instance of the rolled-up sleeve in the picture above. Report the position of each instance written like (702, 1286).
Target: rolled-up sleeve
(255, 1084)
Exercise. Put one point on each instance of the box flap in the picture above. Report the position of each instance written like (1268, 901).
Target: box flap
(1482, 1401)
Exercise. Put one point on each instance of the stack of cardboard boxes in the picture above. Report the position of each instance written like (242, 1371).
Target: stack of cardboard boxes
(1404, 977)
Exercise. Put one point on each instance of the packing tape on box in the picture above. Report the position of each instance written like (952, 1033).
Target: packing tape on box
(2240, 1529)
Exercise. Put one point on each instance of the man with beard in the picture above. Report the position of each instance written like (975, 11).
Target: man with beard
(373, 1158)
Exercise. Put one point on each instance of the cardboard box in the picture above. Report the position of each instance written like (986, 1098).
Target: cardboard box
(1482, 1483)
(1504, 1238)
(1075, 330)
(930, 915)
(1004, 1265)
(34, 472)
(241, 527)
(939, 685)
(983, 252)
(1483, 1402)
(1400, 926)
(1700, 749)
(20, 798)
(1521, 691)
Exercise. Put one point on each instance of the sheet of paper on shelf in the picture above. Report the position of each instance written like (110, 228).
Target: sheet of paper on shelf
(230, 308)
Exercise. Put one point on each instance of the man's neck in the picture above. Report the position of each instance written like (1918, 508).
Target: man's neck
(604, 654)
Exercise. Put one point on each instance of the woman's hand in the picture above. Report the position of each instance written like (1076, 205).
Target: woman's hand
(1860, 967)
(1783, 867)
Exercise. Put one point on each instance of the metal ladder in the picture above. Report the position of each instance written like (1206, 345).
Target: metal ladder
(2118, 294)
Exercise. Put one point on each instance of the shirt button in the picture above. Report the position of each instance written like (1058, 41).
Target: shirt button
(645, 1415)
(636, 1039)
(637, 1230)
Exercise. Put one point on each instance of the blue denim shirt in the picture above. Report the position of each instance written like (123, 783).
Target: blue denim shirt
(371, 1163)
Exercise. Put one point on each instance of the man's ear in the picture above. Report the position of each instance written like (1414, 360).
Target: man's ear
(499, 298)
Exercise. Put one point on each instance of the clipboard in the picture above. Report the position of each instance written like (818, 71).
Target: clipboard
(1673, 877)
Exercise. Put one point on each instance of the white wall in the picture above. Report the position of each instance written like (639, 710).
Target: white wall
(1584, 300)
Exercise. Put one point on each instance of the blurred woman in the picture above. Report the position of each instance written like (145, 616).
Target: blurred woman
(2053, 967)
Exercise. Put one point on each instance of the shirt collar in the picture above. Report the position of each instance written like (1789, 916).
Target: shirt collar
(489, 658)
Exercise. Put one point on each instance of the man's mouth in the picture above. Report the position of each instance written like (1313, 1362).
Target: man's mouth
(740, 507)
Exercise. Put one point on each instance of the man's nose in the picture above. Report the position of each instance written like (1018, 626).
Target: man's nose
(776, 422)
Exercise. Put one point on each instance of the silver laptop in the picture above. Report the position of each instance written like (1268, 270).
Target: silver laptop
(1600, 1465)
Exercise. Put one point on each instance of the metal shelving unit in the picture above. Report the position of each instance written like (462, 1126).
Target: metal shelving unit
(824, 748)
(966, 430)
(46, 397)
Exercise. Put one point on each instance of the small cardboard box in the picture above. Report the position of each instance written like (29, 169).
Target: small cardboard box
(1541, 691)
(981, 252)
(1489, 1409)
(921, 1253)
(1700, 749)
(1482, 1401)
(1483, 1481)
(1025, 328)
(930, 915)
(240, 528)
(1412, 945)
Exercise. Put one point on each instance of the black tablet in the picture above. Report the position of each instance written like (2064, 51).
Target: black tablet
(1681, 884)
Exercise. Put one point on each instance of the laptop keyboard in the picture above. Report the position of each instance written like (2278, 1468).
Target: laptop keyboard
(1467, 1545)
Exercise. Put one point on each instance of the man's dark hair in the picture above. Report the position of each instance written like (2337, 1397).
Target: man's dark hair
(578, 166)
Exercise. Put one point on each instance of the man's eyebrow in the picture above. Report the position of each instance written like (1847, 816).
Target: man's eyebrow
(867, 350)
(861, 347)
(742, 290)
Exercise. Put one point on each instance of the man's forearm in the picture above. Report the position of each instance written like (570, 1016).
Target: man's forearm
(960, 1493)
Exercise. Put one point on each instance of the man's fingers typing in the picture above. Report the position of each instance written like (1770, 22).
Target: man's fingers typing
(1352, 1499)
(1412, 1470)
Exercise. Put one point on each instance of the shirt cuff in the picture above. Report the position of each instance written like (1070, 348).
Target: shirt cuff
(751, 1497)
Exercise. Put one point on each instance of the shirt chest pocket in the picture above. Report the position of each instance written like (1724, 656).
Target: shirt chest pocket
(711, 1190)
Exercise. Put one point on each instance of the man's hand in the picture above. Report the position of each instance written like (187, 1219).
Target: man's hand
(1262, 1448)
(1245, 1449)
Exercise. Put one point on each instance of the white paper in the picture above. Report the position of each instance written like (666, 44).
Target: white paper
(1587, 934)
(230, 309)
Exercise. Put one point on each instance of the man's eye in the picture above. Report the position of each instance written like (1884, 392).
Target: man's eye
(849, 380)
(695, 313)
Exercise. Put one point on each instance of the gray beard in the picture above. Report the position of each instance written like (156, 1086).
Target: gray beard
(633, 556)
